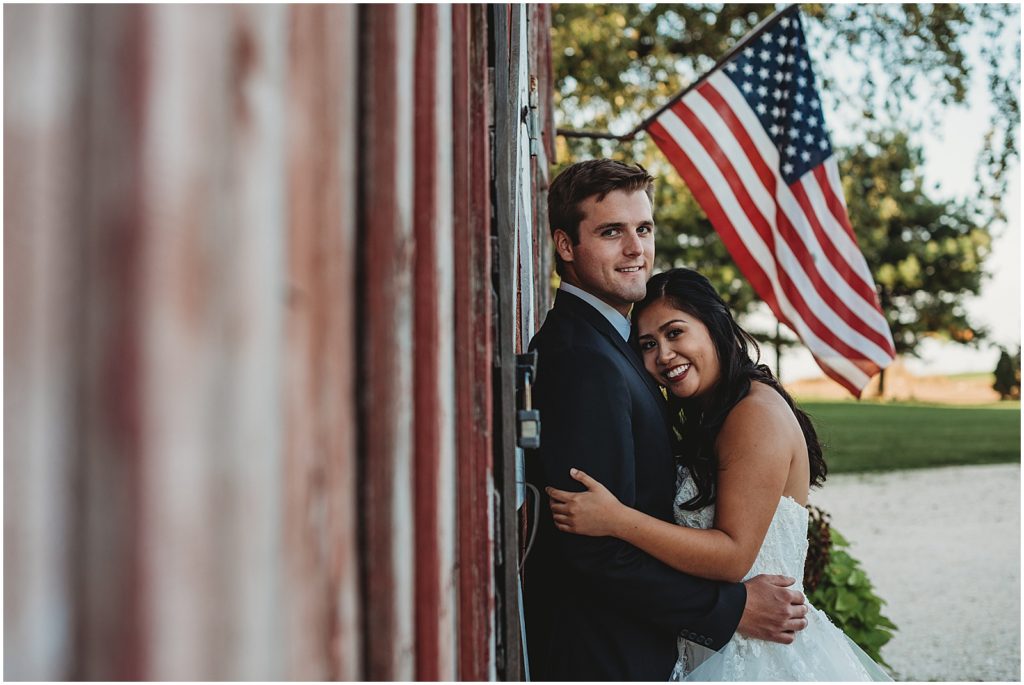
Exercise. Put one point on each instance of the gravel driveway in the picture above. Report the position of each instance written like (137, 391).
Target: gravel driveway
(942, 547)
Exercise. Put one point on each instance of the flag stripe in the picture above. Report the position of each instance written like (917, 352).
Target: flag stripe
(725, 98)
(760, 277)
(825, 313)
(769, 183)
(832, 186)
(697, 142)
(824, 201)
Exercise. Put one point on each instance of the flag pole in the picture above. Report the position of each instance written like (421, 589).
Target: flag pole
(754, 34)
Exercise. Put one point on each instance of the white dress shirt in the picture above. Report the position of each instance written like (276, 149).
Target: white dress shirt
(617, 320)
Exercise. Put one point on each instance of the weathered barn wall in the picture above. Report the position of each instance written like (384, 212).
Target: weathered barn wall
(257, 392)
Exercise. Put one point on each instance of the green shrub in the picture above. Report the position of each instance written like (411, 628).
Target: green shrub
(835, 583)
(1007, 375)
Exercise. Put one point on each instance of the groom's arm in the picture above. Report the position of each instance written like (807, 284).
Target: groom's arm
(585, 413)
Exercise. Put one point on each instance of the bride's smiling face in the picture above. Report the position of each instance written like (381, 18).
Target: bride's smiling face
(677, 350)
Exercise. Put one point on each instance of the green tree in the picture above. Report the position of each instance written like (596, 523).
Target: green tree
(615, 63)
(926, 255)
(1007, 375)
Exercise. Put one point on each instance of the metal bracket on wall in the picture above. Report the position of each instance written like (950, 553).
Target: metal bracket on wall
(533, 119)
(527, 418)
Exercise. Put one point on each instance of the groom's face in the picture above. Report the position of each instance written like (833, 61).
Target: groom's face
(615, 252)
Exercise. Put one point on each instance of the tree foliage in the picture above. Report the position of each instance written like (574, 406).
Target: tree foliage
(1007, 375)
(926, 255)
(615, 64)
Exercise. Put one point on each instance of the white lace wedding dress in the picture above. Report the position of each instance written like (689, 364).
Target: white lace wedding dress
(820, 652)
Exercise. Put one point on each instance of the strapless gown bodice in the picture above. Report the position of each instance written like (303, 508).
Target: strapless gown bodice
(820, 652)
(785, 544)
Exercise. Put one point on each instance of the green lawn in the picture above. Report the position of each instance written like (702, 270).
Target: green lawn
(871, 436)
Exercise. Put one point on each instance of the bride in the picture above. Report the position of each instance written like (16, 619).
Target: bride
(749, 457)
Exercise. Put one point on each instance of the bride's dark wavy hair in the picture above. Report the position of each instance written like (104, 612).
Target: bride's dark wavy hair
(698, 423)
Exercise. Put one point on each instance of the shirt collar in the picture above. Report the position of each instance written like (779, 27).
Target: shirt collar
(619, 322)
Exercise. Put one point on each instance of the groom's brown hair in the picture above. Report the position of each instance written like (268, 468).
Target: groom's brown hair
(585, 179)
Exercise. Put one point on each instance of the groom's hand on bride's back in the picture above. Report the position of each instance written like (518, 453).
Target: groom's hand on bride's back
(773, 612)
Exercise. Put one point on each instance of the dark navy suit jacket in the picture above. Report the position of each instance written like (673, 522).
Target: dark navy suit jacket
(599, 608)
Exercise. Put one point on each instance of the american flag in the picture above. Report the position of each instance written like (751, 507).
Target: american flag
(750, 141)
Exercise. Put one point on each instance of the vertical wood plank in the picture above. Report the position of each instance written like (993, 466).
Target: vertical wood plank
(433, 376)
(44, 60)
(320, 513)
(506, 120)
(473, 333)
(214, 281)
(113, 631)
(386, 352)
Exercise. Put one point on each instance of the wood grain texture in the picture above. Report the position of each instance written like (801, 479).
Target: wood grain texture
(320, 515)
(386, 351)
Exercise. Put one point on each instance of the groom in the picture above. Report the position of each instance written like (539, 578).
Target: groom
(599, 608)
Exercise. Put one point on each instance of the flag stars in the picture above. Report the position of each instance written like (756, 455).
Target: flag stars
(774, 77)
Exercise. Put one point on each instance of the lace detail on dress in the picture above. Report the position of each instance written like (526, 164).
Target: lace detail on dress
(820, 652)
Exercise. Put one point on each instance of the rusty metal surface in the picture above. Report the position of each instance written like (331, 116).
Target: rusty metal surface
(320, 515)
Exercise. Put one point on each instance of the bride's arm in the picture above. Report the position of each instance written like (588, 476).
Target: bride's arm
(755, 450)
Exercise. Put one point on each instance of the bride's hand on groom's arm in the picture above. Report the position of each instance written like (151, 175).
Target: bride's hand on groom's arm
(595, 512)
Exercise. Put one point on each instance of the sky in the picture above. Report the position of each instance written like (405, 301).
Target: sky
(950, 154)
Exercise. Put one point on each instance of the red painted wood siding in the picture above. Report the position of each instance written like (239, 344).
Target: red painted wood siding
(324, 638)
(386, 356)
(250, 385)
(474, 348)
(433, 380)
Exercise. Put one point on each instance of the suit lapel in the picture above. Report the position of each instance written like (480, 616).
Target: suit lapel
(605, 328)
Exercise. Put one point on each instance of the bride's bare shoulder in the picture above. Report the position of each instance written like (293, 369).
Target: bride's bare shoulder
(762, 417)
